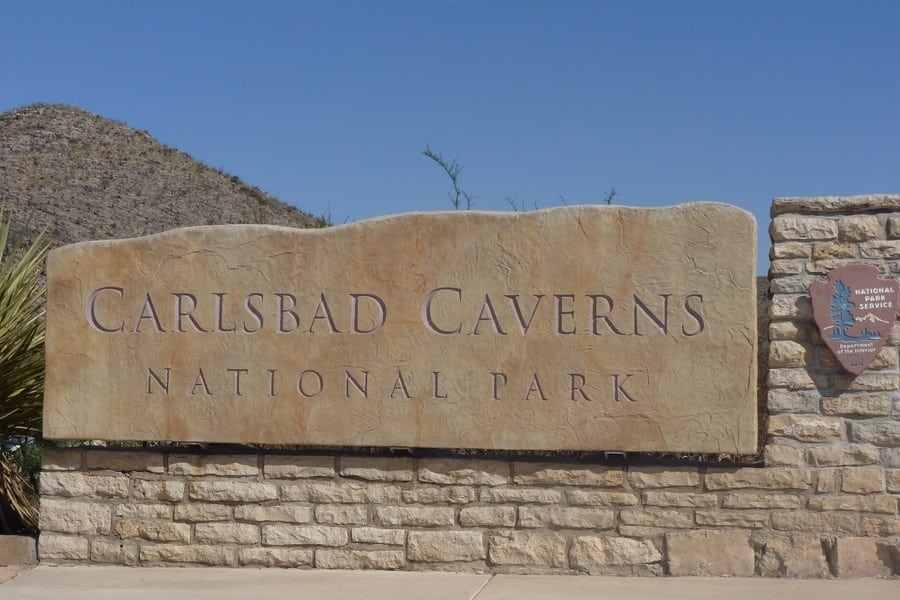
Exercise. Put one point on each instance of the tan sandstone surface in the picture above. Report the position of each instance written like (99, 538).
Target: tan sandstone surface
(576, 328)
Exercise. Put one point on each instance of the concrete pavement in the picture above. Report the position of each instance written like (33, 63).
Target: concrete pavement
(115, 583)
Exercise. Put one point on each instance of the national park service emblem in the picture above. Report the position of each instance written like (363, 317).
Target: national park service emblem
(855, 310)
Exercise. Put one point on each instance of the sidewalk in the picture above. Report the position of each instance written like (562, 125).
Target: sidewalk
(116, 583)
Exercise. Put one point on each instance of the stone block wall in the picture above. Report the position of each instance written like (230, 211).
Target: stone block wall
(824, 503)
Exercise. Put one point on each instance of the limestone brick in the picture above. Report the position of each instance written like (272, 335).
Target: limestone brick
(454, 494)
(282, 513)
(454, 471)
(740, 518)
(790, 306)
(202, 512)
(226, 533)
(871, 503)
(71, 516)
(526, 548)
(120, 460)
(656, 518)
(858, 228)
(117, 552)
(787, 401)
(186, 553)
(824, 250)
(415, 516)
(868, 381)
(862, 480)
(593, 553)
(788, 354)
(231, 491)
(344, 492)
(163, 490)
(488, 516)
(793, 555)
(144, 511)
(662, 477)
(893, 481)
(777, 455)
(826, 481)
(595, 498)
(279, 534)
(879, 432)
(862, 557)
(857, 405)
(806, 428)
(155, 530)
(883, 249)
(384, 560)
(342, 514)
(275, 557)
(710, 553)
(520, 495)
(749, 500)
(445, 546)
(786, 228)
(781, 267)
(838, 455)
(298, 467)
(567, 474)
(195, 465)
(378, 468)
(791, 250)
(70, 484)
(798, 379)
(679, 500)
(566, 517)
(377, 535)
(776, 478)
(53, 547)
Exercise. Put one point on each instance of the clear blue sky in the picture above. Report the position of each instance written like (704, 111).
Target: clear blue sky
(328, 105)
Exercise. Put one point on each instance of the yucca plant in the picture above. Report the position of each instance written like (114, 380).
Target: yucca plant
(21, 370)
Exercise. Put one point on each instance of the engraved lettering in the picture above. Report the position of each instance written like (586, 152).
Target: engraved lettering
(400, 384)
(92, 314)
(152, 376)
(323, 312)
(354, 313)
(200, 382)
(254, 312)
(237, 379)
(492, 317)
(284, 310)
(362, 389)
(663, 323)
(220, 326)
(619, 389)
(561, 312)
(525, 325)
(319, 384)
(428, 318)
(598, 316)
(148, 306)
(500, 379)
(271, 373)
(535, 386)
(696, 313)
(181, 313)
(435, 384)
(576, 385)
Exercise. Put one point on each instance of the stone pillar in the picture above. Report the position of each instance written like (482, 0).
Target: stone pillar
(844, 428)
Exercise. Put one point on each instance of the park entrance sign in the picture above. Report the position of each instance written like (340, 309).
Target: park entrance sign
(574, 328)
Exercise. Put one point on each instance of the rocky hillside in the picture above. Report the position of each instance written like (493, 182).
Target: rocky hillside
(79, 177)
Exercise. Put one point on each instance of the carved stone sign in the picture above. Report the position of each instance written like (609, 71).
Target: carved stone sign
(576, 328)
(855, 310)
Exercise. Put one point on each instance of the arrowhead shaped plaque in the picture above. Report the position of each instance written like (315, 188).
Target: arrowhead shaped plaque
(855, 310)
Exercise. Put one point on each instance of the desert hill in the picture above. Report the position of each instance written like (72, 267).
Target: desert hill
(80, 176)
